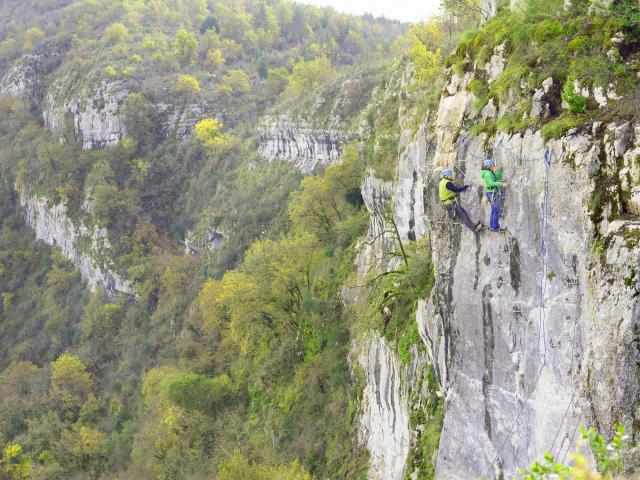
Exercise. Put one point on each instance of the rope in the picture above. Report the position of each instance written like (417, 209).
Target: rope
(515, 422)
(542, 333)
(572, 438)
(564, 417)
(542, 337)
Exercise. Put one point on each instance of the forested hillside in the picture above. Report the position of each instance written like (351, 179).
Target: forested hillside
(223, 254)
(190, 374)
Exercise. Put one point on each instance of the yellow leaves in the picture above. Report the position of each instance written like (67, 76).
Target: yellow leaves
(14, 464)
(116, 33)
(426, 51)
(235, 81)
(187, 85)
(215, 59)
(69, 376)
(11, 452)
(429, 34)
(185, 47)
(237, 467)
(135, 58)
(308, 75)
(154, 385)
(91, 441)
(33, 36)
(110, 71)
(209, 132)
(7, 299)
(580, 470)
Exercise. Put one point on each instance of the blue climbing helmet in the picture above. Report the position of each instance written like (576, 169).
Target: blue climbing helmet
(488, 162)
(445, 172)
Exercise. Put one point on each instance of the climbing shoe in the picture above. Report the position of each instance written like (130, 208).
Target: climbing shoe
(498, 230)
(479, 227)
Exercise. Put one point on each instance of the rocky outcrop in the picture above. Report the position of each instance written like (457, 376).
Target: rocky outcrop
(52, 225)
(297, 142)
(383, 425)
(211, 240)
(179, 121)
(95, 116)
(527, 342)
(550, 338)
(24, 78)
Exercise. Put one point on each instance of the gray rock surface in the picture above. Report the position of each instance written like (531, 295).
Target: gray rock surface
(23, 79)
(527, 343)
(383, 425)
(52, 225)
(95, 117)
(297, 142)
(482, 322)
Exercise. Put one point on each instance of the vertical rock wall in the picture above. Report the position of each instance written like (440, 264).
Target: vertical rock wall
(52, 225)
(297, 142)
(482, 324)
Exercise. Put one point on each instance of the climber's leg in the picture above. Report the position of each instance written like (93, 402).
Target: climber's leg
(464, 217)
(451, 210)
(494, 220)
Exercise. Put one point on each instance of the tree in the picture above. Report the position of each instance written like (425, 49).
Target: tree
(185, 47)
(324, 202)
(187, 85)
(298, 30)
(211, 22)
(238, 468)
(209, 132)
(116, 33)
(69, 375)
(308, 75)
(215, 59)
(197, 392)
(141, 121)
(426, 50)
(277, 80)
(236, 81)
(33, 37)
(14, 465)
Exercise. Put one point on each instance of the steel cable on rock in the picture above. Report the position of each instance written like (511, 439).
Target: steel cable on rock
(515, 422)
(542, 347)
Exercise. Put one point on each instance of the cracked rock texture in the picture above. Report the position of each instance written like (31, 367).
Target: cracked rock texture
(298, 142)
(550, 337)
(383, 425)
(52, 225)
(23, 79)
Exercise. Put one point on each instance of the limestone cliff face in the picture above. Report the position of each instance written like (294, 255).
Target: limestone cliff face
(95, 116)
(550, 337)
(532, 332)
(94, 110)
(24, 78)
(383, 426)
(281, 138)
(52, 225)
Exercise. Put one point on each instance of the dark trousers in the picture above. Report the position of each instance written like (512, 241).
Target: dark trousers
(455, 210)
(494, 218)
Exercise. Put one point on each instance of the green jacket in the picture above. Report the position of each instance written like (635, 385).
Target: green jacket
(446, 196)
(491, 179)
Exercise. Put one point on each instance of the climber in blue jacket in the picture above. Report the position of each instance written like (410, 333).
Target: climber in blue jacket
(449, 192)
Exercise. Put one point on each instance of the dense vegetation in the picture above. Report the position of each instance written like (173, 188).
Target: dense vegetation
(583, 45)
(231, 363)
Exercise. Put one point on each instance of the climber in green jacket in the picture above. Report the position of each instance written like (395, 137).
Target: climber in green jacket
(449, 192)
(494, 185)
